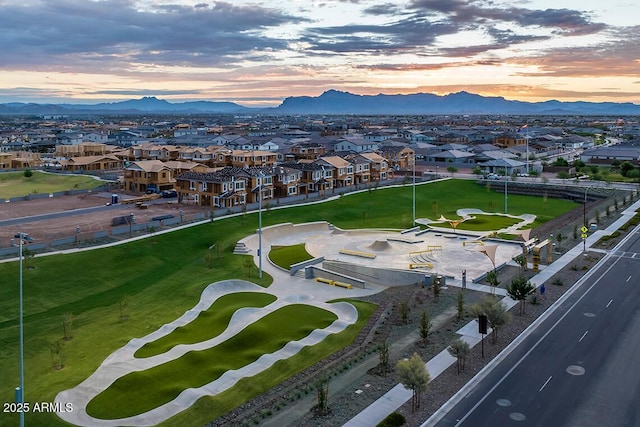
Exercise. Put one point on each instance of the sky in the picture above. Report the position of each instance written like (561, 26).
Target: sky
(256, 53)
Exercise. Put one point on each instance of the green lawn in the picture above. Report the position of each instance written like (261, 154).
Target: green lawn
(209, 323)
(142, 391)
(15, 184)
(286, 256)
(165, 276)
(211, 407)
(484, 222)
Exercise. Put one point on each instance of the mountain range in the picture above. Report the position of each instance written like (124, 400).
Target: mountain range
(338, 102)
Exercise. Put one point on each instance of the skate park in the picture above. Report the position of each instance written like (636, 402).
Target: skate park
(366, 261)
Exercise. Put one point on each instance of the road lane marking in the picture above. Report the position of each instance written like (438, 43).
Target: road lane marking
(560, 303)
(628, 278)
(583, 335)
(545, 383)
(609, 303)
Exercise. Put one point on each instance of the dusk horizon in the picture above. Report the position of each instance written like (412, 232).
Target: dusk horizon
(258, 53)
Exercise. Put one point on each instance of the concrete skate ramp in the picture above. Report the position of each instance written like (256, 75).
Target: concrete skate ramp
(380, 276)
(379, 245)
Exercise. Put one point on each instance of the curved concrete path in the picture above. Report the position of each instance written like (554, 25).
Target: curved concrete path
(287, 289)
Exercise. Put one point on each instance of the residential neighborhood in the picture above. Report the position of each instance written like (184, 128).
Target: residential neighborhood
(226, 161)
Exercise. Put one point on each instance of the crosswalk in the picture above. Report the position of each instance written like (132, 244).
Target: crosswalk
(623, 254)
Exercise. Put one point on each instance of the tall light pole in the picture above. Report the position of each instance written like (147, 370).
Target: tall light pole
(414, 191)
(20, 392)
(260, 178)
(506, 196)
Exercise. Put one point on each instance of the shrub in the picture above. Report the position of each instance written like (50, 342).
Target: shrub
(28, 173)
(558, 282)
(393, 420)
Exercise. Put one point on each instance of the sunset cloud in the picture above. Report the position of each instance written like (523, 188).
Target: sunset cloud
(258, 51)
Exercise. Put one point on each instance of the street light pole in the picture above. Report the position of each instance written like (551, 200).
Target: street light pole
(414, 191)
(506, 197)
(584, 220)
(21, 394)
(260, 177)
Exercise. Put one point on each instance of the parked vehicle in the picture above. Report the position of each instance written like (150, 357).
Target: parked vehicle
(25, 237)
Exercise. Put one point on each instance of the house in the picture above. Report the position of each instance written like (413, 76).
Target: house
(125, 138)
(378, 166)
(361, 168)
(286, 181)
(148, 176)
(355, 143)
(607, 155)
(506, 165)
(398, 157)
(227, 187)
(509, 139)
(107, 162)
(250, 158)
(308, 151)
(315, 177)
(343, 171)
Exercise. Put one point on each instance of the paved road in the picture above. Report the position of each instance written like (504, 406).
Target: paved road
(580, 368)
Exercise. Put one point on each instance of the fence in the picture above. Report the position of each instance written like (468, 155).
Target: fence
(101, 236)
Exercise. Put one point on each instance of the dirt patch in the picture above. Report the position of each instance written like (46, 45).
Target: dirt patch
(80, 215)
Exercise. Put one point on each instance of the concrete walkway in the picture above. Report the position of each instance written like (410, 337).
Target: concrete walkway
(287, 289)
(399, 395)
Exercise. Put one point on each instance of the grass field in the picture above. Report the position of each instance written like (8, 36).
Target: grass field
(15, 184)
(163, 277)
(142, 391)
(209, 323)
(286, 256)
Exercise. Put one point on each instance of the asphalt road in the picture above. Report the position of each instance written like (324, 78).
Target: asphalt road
(580, 368)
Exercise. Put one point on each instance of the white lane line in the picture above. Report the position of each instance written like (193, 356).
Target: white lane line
(583, 335)
(609, 303)
(545, 383)
(628, 278)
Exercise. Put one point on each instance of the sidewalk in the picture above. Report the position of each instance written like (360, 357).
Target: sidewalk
(399, 395)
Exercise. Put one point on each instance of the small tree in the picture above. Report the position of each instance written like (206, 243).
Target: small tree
(67, 326)
(519, 289)
(27, 256)
(124, 304)
(404, 312)
(383, 355)
(28, 173)
(413, 375)
(459, 349)
(322, 392)
(460, 304)
(492, 280)
(495, 311)
(560, 238)
(208, 259)
(394, 419)
(425, 326)
(248, 265)
(452, 170)
(521, 261)
(57, 354)
(435, 287)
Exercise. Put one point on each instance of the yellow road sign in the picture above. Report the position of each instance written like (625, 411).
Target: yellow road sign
(584, 229)
(584, 236)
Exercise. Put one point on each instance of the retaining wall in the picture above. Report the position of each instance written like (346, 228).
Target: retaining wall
(382, 276)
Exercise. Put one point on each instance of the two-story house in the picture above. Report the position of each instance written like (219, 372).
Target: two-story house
(342, 170)
(148, 176)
